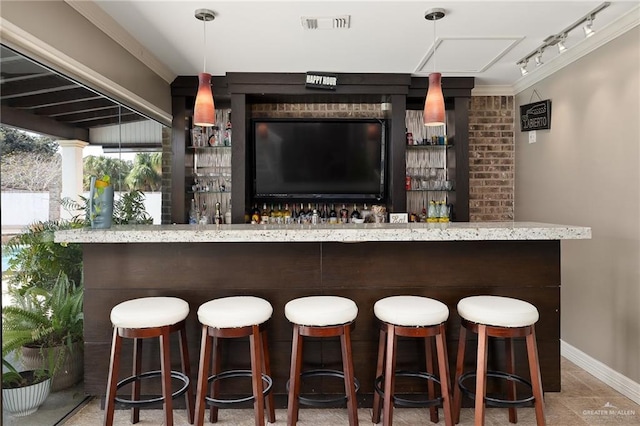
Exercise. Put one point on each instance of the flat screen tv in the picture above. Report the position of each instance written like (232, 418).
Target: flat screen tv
(319, 158)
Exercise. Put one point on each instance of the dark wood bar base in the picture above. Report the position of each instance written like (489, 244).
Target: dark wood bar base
(364, 272)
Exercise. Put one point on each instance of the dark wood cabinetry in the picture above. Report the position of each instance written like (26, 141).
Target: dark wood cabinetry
(395, 92)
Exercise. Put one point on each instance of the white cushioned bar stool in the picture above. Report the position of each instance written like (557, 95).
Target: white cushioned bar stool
(502, 317)
(228, 318)
(139, 319)
(419, 317)
(321, 316)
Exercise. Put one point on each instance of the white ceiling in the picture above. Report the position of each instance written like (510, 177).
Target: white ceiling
(482, 39)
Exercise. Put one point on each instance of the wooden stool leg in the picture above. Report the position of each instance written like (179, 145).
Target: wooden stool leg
(428, 350)
(135, 386)
(536, 381)
(457, 394)
(112, 381)
(377, 408)
(511, 385)
(186, 369)
(256, 375)
(389, 376)
(271, 412)
(294, 376)
(349, 383)
(203, 375)
(165, 368)
(481, 378)
(443, 364)
(215, 385)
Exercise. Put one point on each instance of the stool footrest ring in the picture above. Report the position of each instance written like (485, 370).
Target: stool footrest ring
(404, 402)
(151, 374)
(221, 403)
(317, 402)
(494, 401)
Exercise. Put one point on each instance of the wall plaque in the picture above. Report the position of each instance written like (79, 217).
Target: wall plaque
(321, 81)
(535, 116)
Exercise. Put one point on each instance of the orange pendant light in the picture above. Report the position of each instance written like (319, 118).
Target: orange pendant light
(434, 114)
(434, 104)
(204, 110)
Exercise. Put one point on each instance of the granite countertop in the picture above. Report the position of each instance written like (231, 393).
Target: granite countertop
(455, 231)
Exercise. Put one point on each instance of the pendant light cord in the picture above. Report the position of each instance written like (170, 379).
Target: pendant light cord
(204, 32)
(434, 45)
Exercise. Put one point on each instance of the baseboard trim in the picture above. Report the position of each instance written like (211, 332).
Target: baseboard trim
(606, 374)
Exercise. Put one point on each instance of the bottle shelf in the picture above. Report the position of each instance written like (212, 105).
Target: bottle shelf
(205, 147)
(430, 190)
(428, 146)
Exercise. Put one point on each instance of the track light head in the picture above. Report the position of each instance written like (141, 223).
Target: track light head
(539, 58)
(588, 27)
(523, 68)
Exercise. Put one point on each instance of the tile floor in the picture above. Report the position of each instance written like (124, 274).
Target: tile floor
(584, 400)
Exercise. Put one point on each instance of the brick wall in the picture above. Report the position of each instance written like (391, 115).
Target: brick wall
(491, 158)
(167, 157)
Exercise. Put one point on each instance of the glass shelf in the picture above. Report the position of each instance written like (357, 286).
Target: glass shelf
(430, 190)
(209, 147)
(208, 192)
(428, 146)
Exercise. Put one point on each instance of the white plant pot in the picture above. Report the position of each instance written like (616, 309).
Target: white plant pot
(26, 400)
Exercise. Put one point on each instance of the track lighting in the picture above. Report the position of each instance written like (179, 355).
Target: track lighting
(560, 38)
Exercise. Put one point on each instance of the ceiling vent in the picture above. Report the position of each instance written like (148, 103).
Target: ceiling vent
(341, 22)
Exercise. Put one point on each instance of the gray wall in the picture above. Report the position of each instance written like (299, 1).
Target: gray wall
(585, 171)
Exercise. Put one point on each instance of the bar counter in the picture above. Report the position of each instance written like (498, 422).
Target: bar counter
(446, 261)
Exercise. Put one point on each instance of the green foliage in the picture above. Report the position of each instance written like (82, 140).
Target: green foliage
(146, 174)
(12, 379)
(129, 209)
(17, 141)
(44, 318)
(100, 166)
(38, 260)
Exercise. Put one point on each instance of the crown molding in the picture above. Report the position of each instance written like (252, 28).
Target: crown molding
(620, 26)
(98, 17)
(16, 37)
(497, 90)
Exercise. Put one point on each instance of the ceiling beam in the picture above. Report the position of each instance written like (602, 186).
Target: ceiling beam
(50, 99)
(43, 125)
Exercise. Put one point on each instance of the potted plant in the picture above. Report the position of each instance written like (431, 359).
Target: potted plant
(45, 327)
(23, 392)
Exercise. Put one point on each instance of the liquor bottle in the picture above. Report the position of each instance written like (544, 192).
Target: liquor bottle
(217, 218)
(324, 214)
(286, 214)
(444, 212)
(279, 214)
(295, 215)
(315, 217)
(204, 218)
(227, 215)
(355, 214)
(344, 214)
(333, 216)
(423, 215)
(264, 215)
(255, 214)
(272, 214)
(365, 213)
(432, 213)
(193, 213)
(308, 214)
